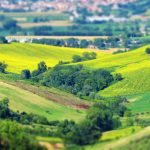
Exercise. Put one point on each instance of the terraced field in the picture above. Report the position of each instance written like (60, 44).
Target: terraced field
(21, 56)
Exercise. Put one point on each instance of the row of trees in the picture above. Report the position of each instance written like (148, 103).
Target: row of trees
(74, 42)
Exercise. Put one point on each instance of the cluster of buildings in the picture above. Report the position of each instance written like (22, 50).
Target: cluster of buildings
(59, 5)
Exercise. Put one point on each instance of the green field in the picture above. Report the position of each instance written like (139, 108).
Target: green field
(27, 17)
(21, 56)
(140, 103)
(23, 100)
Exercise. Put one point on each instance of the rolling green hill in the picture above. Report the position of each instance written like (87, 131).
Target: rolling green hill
(21, 56)
(134, 67)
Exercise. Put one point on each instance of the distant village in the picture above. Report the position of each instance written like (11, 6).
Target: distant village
(58, 5)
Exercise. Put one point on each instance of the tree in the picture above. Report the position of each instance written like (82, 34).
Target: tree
(86, 56)
(42, 67)
(84, 43)
(84, 133)
(4, 108)
(148, 50)
(72, 42)
(3, 40)
(8, 24)
(101, 116)
(25, 74)
(3, 67)
(89, 56)
(118, 77)
(76, 58)
(86, 90)
(99, 43)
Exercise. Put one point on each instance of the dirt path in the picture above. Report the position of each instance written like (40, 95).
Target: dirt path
(49, 146)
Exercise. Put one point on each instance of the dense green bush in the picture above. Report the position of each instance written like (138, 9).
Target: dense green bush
(86, 56)
(76, 79)
(84, 133)
(102, 116)
(99, 118)
(13, 137)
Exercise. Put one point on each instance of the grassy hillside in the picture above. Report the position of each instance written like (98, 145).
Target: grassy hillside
(134, 67)
(20, 56)
(109, 139)
(124, 139)
(23, 100)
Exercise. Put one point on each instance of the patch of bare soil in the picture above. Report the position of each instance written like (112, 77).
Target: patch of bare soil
(60, 98)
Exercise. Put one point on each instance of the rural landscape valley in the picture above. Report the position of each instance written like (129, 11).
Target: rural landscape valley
(75, 75)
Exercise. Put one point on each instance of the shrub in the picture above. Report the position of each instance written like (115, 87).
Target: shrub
(13, 137)
(3, 40)
(42, 67)
(76, 58)
(148, 50)
(84, 133)
(25, 74)
(118, 77)
(85, 56)
(3, 67)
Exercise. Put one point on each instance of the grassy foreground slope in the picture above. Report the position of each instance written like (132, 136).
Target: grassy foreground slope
(21, 56)
(122, 139)
(23, 100)
(134, 67)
